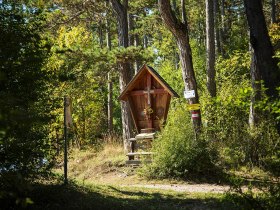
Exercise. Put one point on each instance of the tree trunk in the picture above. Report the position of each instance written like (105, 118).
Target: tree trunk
(110, 104)
(124, 67)
(57, 141)
(100, 32)
(176, 59)
(273, 11)
(137, 62)
(217, 27)
(145, 36)
(110, 84)
(210, 48)
(131, 38)
(130, 28)
(256, 87)
(261, 44)
(180, 32)
(222, 27)
(84, 123)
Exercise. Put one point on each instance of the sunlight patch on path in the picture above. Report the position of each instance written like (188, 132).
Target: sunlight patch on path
(199, 188)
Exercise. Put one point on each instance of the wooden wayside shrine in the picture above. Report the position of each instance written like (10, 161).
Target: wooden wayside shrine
(148, 95)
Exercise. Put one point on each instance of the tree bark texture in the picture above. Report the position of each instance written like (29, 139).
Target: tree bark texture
(184, 16)
(124, 67)
(217, 21)
(137, 63)
(100, 32)
(223, 14)
(131, 38)
(145, 36)
(210, 48)
(256, 93)
(130, 29)
(262, 46)
(110, 84)
(110, 104)
(180, 32)
(222, 27)
(108, 35)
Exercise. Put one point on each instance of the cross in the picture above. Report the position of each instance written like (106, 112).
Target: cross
(149, 92)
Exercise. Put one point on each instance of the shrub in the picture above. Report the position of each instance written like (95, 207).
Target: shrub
(265, 195)
(177, 152)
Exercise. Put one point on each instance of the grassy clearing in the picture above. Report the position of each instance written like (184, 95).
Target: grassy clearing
(107, 166)
(99, 179)
(103, 166)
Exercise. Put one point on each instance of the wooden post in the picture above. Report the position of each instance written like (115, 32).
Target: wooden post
(149, 115)
(110, 104)
(110, 83)
(66, 105)
(57, 141)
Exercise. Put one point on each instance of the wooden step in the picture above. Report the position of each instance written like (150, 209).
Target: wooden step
(132, 139)
(145, 136)
(139, 153)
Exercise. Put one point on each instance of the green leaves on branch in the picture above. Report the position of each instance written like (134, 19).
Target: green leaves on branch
(132, 54)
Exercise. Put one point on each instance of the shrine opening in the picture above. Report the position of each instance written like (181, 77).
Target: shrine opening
(148, 95)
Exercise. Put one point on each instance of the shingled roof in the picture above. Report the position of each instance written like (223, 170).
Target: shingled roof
(153, 72)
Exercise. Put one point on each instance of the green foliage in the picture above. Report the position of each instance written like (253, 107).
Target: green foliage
(274, 35)
(23, 93)
(199, 61)
(171, 75)
(177, 152)
(76, 62)
(265, 195)
(25, 147)
(226, 116)
(131, 54)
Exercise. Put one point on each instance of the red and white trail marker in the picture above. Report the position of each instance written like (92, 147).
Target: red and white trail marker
(195, 114)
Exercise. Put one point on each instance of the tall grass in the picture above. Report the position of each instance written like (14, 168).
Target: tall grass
(93, 161)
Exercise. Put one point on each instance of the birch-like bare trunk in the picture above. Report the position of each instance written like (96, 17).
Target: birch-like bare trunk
(109, 84)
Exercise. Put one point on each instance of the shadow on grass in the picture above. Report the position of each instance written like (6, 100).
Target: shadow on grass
(220, 177)
(73, 196)
(214, 175)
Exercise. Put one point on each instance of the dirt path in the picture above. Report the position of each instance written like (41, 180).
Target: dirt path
(203, 188)
(122, 179)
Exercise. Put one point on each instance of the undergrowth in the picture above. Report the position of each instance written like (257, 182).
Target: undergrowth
(178, 153)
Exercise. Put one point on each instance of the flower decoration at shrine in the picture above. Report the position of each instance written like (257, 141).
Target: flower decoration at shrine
(148, 111)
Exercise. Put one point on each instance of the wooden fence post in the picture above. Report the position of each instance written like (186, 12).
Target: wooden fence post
(66, 125)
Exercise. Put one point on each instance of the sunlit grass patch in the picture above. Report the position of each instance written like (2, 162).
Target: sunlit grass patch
(91, 163)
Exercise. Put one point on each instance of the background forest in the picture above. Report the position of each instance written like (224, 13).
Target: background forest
(90, 49)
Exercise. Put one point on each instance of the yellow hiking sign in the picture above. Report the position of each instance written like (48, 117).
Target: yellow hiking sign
(192, 107)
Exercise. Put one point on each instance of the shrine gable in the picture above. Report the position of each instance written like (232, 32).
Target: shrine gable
(148, 95)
